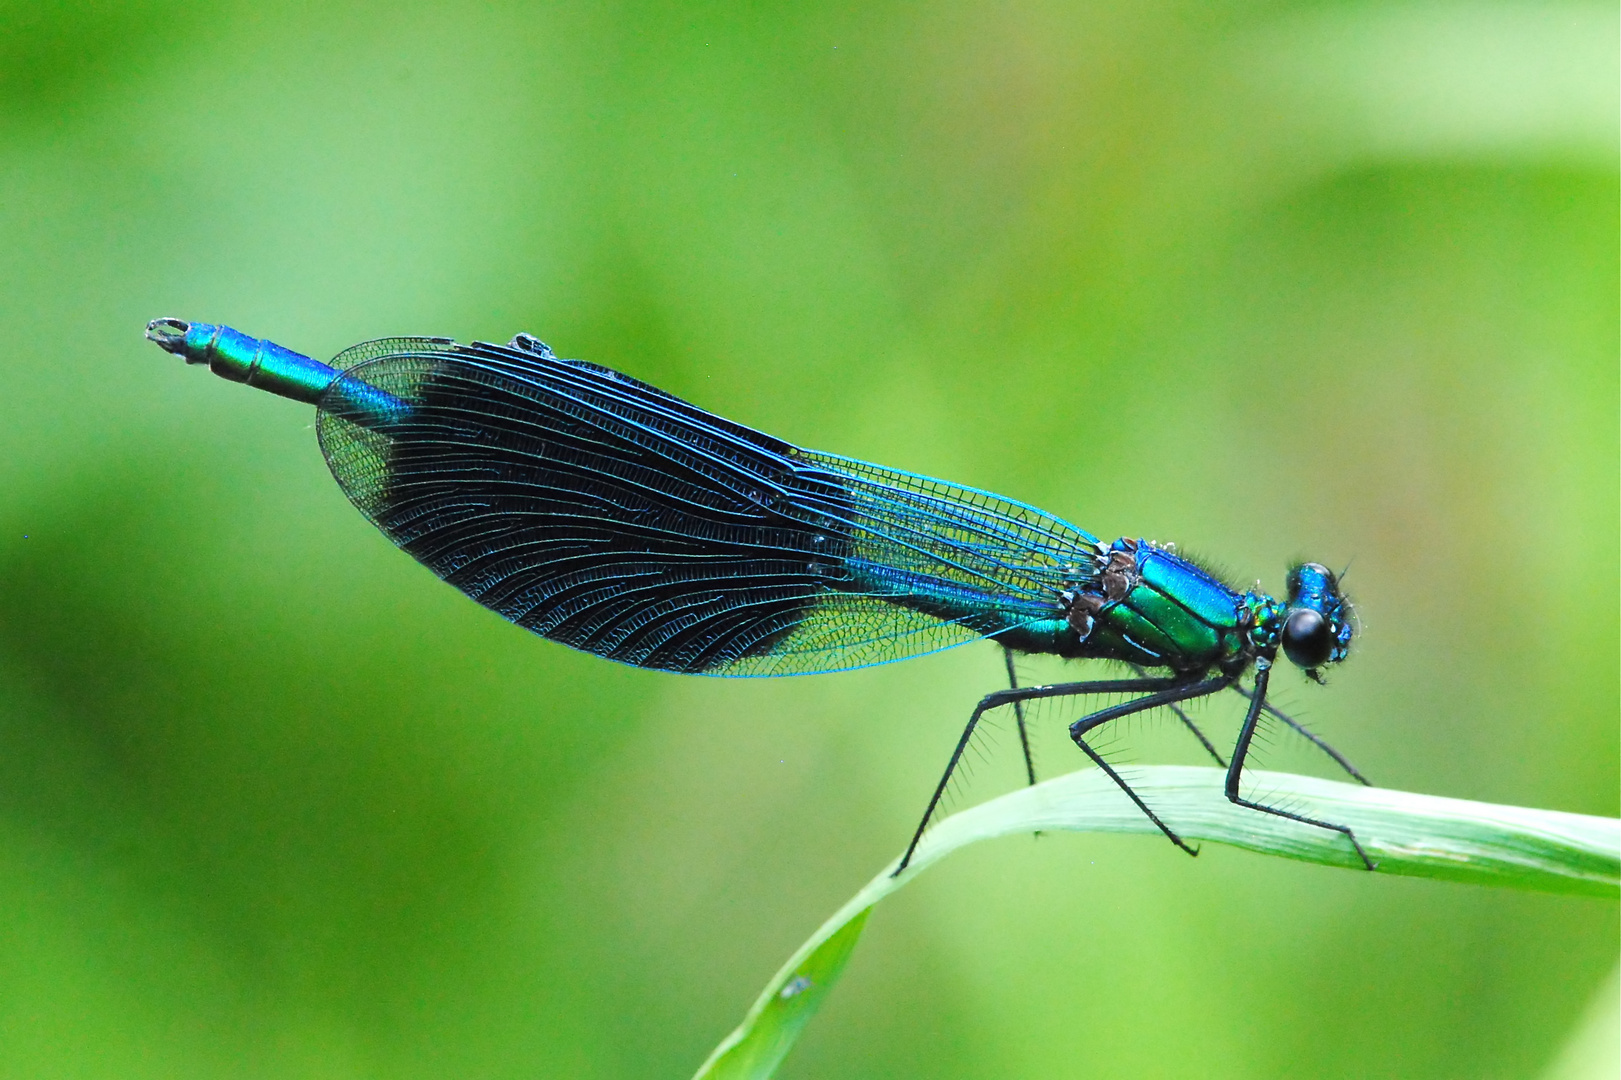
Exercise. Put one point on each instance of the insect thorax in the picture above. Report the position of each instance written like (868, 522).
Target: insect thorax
(1153, 607)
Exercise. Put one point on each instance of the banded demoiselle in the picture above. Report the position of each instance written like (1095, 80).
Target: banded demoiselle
(605, 514)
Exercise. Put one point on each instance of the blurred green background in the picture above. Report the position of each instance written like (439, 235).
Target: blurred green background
(1266, 279)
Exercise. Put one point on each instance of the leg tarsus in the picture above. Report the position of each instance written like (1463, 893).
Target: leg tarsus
(1344, 830)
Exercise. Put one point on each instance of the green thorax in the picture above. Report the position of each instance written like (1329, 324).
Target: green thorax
(1155, 608)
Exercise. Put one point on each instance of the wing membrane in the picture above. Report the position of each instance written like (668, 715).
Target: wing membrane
(601, 512)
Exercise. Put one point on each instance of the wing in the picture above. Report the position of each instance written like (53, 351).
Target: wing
(603, 513)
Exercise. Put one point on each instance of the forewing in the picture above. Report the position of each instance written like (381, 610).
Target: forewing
(603, 513)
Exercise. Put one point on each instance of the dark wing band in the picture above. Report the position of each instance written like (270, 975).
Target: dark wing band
(605, 514)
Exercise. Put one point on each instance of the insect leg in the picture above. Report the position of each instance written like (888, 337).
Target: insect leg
(1279, 714)
(1018, 712)
(1175, 693)
(1263, 669)
(998, 698)
(1191, 726)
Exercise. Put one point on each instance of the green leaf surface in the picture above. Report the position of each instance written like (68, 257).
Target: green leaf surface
(1414, 835)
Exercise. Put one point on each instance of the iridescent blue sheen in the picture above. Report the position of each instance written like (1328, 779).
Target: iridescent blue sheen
(262, 364)
(605, 514)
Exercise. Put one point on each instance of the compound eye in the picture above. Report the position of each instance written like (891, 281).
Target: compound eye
(1307, 638)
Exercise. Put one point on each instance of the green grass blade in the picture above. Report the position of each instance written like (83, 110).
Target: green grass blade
(1415, 835)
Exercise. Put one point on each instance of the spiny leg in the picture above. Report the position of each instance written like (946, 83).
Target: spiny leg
(1278, 714)
(999, 698)
(1191, 726)
(1184, 692)
(1235, 771)
(1018, 713)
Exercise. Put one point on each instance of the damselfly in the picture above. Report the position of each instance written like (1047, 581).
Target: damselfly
(610, 516)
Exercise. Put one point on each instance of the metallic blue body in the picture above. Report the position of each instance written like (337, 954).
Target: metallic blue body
(264, 365)
(1170, 612)
(603, 513)
(606, 514)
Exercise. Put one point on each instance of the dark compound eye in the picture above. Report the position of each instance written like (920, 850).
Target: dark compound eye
(1307, 639)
